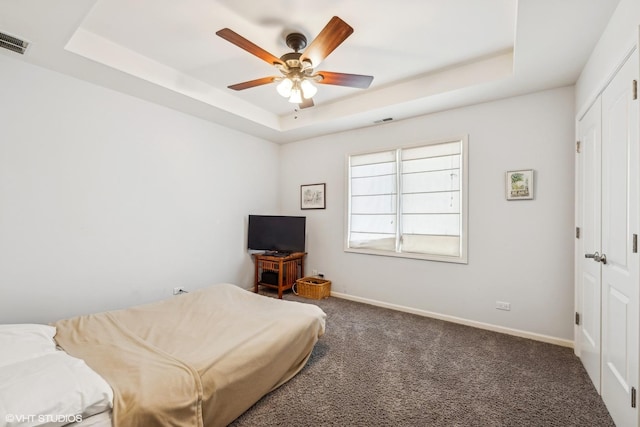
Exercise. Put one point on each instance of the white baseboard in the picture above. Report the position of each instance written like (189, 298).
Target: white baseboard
(459, 320)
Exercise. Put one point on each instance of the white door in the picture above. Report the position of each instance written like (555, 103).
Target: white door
(588, 271)
(620, 221)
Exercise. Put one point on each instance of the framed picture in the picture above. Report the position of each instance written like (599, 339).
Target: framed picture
(312, 196)
(520, 185)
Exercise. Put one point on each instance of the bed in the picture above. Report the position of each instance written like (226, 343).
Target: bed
(197, 359)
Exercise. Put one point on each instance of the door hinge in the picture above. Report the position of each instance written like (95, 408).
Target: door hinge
(577, 146)
(635, 243)
(633, 397)
(635, 89)
(577, 232)
(577, 318)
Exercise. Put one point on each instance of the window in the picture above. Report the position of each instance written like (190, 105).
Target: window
(409, 202)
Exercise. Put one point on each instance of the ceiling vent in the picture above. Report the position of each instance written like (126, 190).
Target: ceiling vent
(13, 44)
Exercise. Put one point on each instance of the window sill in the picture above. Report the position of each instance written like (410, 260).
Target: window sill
(409, 255)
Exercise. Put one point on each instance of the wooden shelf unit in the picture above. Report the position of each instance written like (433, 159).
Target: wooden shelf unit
(291, 265)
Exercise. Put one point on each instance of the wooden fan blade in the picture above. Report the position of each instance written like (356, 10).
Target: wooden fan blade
(331, 36)
(252, 83)
(306, 103)
(342, 79)
(235, 38)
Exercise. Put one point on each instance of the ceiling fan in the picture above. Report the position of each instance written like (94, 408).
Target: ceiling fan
(298, 69)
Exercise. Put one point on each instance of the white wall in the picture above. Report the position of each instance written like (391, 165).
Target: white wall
(620, 35)
(108, 201)
(519, 251)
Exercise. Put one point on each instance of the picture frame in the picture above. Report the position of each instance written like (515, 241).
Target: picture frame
(313, 196)
(519, 184)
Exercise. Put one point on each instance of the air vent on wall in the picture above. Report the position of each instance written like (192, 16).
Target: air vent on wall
(13, 44)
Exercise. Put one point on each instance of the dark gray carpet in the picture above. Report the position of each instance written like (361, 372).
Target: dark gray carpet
(379, 367)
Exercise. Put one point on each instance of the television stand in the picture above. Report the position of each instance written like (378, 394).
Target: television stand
(277, 254)
(289, 268)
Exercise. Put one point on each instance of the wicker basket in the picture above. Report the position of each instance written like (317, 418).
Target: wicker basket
(312, 287)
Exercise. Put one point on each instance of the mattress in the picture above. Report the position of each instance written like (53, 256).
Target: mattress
(103, 419)
(201, 358)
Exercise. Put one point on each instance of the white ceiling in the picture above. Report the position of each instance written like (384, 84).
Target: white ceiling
(425, 55)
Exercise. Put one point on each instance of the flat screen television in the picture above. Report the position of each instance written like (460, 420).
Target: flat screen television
(277, 234)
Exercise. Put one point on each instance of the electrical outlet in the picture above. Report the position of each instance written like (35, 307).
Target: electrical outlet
(314, 272)
(501, 305)
(178, 291)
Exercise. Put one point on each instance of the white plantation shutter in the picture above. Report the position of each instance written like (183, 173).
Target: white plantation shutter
(373, 185)
(409, 202)
(431, 217)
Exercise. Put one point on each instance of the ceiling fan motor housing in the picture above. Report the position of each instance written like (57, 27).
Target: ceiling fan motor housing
(293, 64)
(297, 42)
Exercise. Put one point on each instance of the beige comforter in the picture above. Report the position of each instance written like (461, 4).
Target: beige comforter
(201, 358)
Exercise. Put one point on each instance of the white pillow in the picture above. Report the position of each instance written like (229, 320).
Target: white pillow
(53, 389)
(25, 341)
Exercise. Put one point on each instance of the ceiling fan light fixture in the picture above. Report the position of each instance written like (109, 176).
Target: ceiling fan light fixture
(284, 88)
(296, 94)
(308, 89)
